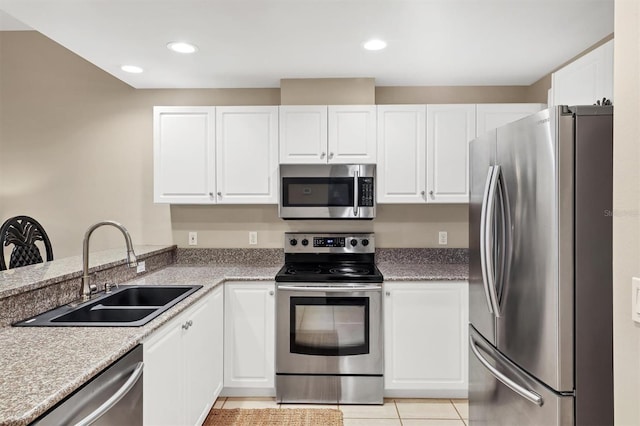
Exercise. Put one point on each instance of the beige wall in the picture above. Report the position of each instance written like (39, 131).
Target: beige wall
(327, 91)
(626, 204)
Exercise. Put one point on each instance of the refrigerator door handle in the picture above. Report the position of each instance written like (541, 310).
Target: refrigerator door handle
(484, 236)
(489, 240)
(529, 395)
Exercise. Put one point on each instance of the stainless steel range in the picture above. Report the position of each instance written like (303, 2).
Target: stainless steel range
(329, 320)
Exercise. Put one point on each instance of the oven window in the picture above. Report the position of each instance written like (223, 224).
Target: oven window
(317, 192)
(331, 326)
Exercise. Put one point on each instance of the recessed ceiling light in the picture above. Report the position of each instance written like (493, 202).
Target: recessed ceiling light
(181, 47)
(375, 44)
(132, 69)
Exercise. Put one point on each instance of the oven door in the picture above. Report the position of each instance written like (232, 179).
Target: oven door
(329, 329)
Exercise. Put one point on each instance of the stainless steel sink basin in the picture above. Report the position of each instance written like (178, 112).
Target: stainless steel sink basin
(129, 306)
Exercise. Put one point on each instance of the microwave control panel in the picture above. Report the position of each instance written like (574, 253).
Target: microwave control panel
(365, 192)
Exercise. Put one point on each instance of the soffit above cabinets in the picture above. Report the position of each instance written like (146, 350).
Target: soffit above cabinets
(255, 43)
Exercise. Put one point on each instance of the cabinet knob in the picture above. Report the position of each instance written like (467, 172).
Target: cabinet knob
(422, 193)
(220, 194)
(388, 293)
(271, 293)
(331, 155)
(323, 154)
(431, 193)
(211, 194)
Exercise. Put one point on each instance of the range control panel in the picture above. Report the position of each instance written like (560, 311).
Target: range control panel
(303, 242)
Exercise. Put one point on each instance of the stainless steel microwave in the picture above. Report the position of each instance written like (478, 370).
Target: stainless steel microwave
(341, 191)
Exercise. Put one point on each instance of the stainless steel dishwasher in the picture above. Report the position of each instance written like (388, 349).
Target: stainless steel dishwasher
(113, 398)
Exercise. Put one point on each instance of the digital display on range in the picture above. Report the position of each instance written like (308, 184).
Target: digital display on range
(328, 241)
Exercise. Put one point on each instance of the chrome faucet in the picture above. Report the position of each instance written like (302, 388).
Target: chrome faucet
(88, 289)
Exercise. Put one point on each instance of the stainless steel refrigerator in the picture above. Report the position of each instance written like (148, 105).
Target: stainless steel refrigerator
(540, 273)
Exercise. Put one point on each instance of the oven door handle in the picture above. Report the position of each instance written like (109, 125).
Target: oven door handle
(330, 289)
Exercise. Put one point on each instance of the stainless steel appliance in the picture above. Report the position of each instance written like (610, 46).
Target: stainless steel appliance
(341, 191)
(113, 398)
(329, 320)
(540, 229)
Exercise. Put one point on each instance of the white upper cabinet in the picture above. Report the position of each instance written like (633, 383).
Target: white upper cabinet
(303, 134)
(585, 80)
(352, 134)
(492, 116)
(401, 154)
(449, 130)
(184, 155)
(317, 134)
(208, 155)
(247, 155)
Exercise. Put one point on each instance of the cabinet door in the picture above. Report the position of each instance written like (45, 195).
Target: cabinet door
(163, 378)
(352, 134)
(200, 350)
(247, 155)
(492, 116)
(425, 326)
(585, 80)
(183, 155)
(401, 154)
(450, 128)
(303, 134)
(249, 335)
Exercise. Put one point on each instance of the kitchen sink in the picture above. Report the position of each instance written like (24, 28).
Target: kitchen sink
(129, 306)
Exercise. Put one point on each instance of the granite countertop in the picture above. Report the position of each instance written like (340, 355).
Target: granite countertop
(424, 271)
(40, 366)
(18, 280)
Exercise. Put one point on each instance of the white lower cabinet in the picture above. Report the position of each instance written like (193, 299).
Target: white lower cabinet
(249, 339)
(183, 364)
(425, 331)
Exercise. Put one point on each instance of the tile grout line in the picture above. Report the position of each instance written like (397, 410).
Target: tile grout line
(457, 411)
(395, 404)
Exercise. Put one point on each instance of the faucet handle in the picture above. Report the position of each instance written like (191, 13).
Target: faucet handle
(108, 287)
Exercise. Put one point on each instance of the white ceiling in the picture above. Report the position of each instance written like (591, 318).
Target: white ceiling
(255, 43)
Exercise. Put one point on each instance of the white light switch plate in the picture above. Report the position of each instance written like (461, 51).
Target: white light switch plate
(635, 299)
(193, 238)
(141, 267)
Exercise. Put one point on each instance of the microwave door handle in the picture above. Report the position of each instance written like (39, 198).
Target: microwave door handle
(355, 193)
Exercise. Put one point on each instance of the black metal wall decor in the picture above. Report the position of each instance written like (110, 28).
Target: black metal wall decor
(23, 232)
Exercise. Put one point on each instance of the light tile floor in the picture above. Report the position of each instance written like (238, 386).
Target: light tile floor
(394, 412)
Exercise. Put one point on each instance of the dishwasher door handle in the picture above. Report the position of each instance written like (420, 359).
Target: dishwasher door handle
(115, 398)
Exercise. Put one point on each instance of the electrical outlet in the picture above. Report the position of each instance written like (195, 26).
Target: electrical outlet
(635, 299)
(141, 267)
(442, 238)
(193, 238)
(253, 237)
